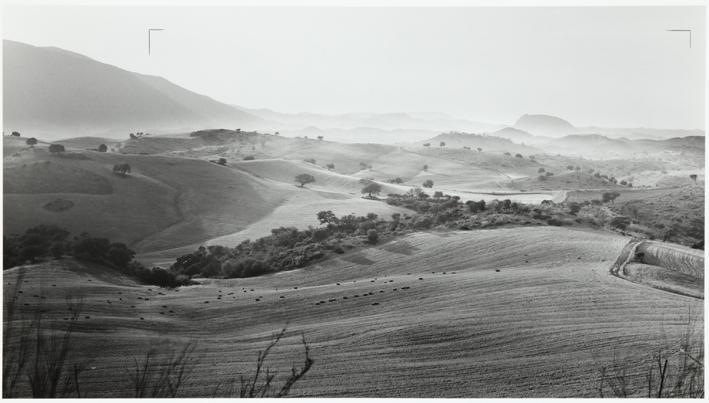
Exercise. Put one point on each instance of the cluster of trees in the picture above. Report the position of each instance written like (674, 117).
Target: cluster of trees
(428, 183)
(138, 135)
(52, 242)
(396, 180)
(286, 248)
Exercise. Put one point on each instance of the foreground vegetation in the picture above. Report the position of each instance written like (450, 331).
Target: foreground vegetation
(42, 359)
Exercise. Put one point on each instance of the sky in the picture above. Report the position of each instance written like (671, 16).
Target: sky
(594, 66)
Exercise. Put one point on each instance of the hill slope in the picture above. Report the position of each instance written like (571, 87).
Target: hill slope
(519, 312)
(50, 92)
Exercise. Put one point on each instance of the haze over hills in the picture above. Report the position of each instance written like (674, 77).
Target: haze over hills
(54, 93)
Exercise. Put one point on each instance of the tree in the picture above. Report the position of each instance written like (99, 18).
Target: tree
(574, 208)
(249, 158)
(437, 194)
(507, 153)
(330, 166)
(304, 179)
(102, 148)
(121, 169)
(372, 187)
(222, 161)
(56, 148)
(320, 137)
(518, 155)
(31, 141)
(480, 149)
(133, 136)
(327, 217)
(372, 236)
(541, 170)
(425, 167)
(16, 134)
(443, 144)
(609, 196)
(428, 183)
(57, 249)
(119, 254)
(426, 144)
(693, 177)
(570, 167)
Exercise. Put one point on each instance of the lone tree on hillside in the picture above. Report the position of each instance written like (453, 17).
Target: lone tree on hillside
(31, 141)
(425, 167)
(541, 170)
(518, 155)
(693, 177)
(428, 183)
(320, 137)
(102, 148)
(424, 144)
(15, 133)
(372, 187)
(443, 144)
(221, 161)
(56, 148)
(330, 166)
(480, 149)
(304, 179)
(121, 169)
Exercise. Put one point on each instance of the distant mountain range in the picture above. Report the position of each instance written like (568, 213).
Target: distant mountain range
(53, 93)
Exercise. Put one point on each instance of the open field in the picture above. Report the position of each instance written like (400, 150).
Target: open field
(523, 312)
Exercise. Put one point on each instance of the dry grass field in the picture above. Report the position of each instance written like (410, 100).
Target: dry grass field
(517, 312)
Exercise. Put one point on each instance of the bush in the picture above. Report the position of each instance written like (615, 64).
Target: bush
(428, 183)
(56, 148)
(372, 236)
(249, 158)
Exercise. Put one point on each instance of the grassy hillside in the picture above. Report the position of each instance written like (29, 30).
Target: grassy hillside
(494, 313)
(165, 202)
(675, 214)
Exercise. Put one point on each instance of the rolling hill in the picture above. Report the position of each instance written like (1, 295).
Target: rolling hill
(53, 93)
(518, 312)
(544, 125)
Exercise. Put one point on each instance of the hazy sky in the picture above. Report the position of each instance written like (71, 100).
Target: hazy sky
(592, 66)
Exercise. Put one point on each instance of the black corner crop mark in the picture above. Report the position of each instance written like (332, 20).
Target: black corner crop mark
(683, 30)
(150, 31)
